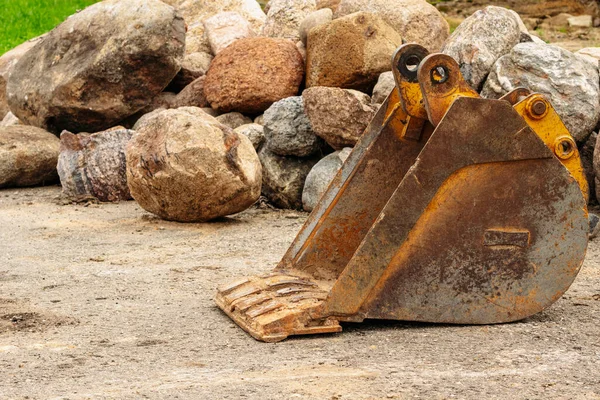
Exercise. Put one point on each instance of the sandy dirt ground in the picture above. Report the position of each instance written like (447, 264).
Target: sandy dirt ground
(105, 301)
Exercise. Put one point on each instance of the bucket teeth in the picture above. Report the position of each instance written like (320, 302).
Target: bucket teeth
(274, 307)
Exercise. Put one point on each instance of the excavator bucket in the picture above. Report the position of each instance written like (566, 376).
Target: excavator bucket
(450, 209)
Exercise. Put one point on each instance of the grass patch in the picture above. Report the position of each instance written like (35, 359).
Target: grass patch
(21, 20)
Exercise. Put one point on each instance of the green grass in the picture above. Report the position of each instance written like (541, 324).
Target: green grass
(21, 20)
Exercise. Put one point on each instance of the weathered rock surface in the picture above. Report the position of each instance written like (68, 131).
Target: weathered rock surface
(415, 20)
(315, 18)
(570, 83)
(254, 132)
(196, 11)
(320, 176)
(288, 131)
(225, 28)
(284, 18)
(283, 178)
(8, 61)
(233, 119)
(93, 165)
(28, 156)
(194, 66)
(591, 54)
(586, 152)
(383, 88)
(192, 95)
(581, 21)
(183, 165)
(98, 67)
(350, 52)
(339, 116)
(253, 73)
(480, 40)
(331, 4)
(10, 120)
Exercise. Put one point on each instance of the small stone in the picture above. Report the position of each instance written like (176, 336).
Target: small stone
(288, 131)
(416, 21)
(10, 120)
(98, 67)
(581, 21)
(570, 83)
(339, 116)
(28, 156)
(315, 18)
(284, 18)
(284, 177)
(225, 28)
(194, 66)
(253, 73)
(183, 165)
(233, 119)
(93, 165)
(383, 88)
(331, 4)
(254, 132)
(340, 54)
(594, 226)
(480, 40)
(192, 95)
(260, 119)
(320, 176)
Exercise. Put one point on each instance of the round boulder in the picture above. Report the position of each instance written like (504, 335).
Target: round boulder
(350, 52)
(183, 165)
(339, 116)
(251, 74)
(28, 156)
(98, 67)
(288, 130)
(570, 83)
(416, 21)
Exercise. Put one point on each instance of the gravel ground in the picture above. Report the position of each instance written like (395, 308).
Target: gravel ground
(108, 302)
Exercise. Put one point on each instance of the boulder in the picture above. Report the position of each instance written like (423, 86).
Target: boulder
(480, 40)
(383, 88)
(288, 131)
(315, 18)
(8, 61)
(339, 116)
(98, 67)
(253, 73)
(415, 20)
(93, 165)
(196, 11)
(194, 66)
(350, 52)
(586, 152)
(28, 156)
(254, 132)
(192, 95)
(225, 28)
(284, 18)
(283, 178)
(10, 120)
(233, 119)
(320, 176)
(183, 165)
(570, 83)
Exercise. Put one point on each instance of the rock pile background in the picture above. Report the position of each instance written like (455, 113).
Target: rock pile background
(195, 108)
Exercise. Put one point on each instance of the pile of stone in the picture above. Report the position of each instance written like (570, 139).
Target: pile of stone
(196, 108)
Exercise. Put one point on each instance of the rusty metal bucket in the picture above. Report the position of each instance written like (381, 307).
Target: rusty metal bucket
(450, 209)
